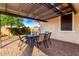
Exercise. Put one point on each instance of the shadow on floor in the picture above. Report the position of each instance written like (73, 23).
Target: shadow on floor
(27, 51)
(60, 48)
(9, 43)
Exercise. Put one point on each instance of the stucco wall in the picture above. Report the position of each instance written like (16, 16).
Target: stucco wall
(5, 31)
(54, 27)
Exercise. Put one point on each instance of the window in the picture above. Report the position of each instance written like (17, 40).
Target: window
(67, 22)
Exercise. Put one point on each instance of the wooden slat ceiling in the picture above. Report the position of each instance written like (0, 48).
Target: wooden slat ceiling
(37, 11)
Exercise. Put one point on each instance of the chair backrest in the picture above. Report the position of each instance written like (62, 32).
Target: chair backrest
(47, 35)
(41, 37)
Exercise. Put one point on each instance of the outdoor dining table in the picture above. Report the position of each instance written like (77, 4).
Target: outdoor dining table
(31, 39)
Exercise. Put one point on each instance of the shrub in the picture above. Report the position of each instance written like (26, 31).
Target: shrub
(20, 31)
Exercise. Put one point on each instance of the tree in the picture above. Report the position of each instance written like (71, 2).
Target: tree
(7, 20)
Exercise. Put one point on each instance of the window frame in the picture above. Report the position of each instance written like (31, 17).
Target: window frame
(72, 23)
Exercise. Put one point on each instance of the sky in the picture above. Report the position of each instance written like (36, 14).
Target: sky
(30, 22)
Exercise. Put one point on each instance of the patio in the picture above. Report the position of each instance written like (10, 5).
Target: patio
(61, 19)
(10, 48)
(58, 48)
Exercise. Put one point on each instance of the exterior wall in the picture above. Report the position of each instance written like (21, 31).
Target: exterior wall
(53, 26)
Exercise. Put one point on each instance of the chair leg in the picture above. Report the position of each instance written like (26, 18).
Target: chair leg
(20, 45)
(37, 44)
(45, 44)
(50, 42)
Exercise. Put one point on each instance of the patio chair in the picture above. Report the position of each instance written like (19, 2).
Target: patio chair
(22, 40)
(47, 37)
(40, 39)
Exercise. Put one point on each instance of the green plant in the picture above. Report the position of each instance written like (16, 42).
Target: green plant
(11, 21)
(19, 31)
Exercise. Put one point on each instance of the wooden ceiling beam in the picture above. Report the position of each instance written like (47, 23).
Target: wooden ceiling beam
(66, 8)
(52, 17)
(45, 14)
(33, 9)
(57, 4)
(58, 15)
(55, 9)
(16, 15)
(71, 6)
(49, 16)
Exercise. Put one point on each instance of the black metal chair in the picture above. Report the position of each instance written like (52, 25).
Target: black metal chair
(22, 40)
(40, 39)
(47, 39)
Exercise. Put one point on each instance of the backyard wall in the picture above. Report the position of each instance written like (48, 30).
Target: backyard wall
(53, 25)
(5, 31)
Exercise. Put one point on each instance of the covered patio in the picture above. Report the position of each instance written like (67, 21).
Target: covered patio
(64, 34)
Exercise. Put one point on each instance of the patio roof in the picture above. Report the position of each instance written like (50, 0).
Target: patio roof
(36, 11)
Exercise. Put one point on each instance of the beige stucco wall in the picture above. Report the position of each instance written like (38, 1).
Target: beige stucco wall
(54, 27)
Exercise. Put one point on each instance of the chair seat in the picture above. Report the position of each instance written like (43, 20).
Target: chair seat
(41, 37)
